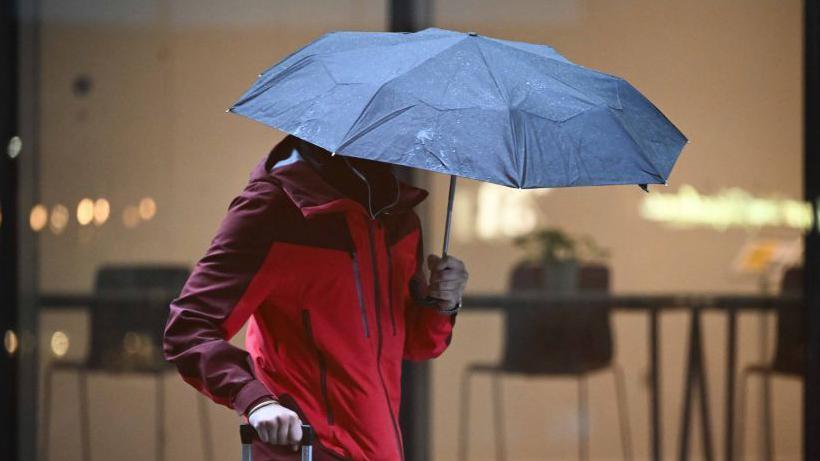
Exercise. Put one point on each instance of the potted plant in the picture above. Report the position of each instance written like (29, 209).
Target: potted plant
(553, 258)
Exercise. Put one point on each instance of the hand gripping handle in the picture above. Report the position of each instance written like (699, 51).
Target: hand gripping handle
(247, 434)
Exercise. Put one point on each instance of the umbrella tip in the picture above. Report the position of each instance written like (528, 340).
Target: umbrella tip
(644, 187)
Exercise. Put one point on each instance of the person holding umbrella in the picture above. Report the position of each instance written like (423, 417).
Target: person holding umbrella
(321, 255)
(322, 252)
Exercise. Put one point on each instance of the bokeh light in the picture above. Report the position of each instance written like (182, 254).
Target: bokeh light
(59, 219)
(130, 216)
(59, 343)
(38, 217)
(85, 211)
(102, 210)
(10, 342)
(148, 208)
(14, 147)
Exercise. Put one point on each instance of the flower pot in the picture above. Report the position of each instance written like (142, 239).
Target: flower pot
(560, 277)
(555, 277)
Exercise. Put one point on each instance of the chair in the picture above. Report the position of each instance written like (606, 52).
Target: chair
(127, 317)
(556, 341)
(789, 360)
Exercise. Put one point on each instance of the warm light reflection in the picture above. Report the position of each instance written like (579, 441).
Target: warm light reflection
(14, 147)
(131, 342)
(504, 212)
(733, 207)
(130, 216)
(38, 218)
(10, 342)
(102, 210)
(85, 211)
(59, 218)
(136, 344)
(464, 219)
(147, 208)
(495, 212)
(761, 256)
(59, 343)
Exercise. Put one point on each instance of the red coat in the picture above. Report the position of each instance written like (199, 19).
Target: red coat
(332, 301)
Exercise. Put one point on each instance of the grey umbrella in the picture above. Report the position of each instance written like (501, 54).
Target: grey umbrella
(462, 104)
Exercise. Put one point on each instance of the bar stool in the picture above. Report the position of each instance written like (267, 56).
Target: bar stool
(552, 342)
(789, 360)
(127, 316)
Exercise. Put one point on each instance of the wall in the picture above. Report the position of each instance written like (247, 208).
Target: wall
(729, 75)
(726, 72)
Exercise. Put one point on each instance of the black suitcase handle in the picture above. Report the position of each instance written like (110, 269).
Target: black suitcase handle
(248, 434)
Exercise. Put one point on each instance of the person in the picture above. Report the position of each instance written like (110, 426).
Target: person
(322, 256)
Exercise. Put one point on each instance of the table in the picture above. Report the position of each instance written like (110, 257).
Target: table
(695, 371)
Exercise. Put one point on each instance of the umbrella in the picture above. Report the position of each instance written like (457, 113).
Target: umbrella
(463, 104)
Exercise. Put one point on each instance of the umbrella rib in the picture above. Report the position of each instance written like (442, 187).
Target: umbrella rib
(375, 125)
(298, 65)
(522, 174)
(506, 99)
(505, 43)
(581, 95)
(558, 61)
(309, 45)
(492, 75)
(345, 141)
(640, 148)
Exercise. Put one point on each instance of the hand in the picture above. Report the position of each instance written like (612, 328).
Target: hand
(448, 277)
(277, 425)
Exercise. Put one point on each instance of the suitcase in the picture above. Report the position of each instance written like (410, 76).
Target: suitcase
(247, 435)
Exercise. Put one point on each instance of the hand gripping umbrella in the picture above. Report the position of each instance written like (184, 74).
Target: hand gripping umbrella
(510, 113)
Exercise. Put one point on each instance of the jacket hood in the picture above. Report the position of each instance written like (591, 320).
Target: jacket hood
(310, 192)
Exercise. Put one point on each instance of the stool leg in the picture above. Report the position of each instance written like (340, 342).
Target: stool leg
(205, 427)
(741, 416)
(623, 411)
(464, 414)
(768, 441)
(46, 432)
(85, 423)
(160, 418)
(498, 410)
(583, 418)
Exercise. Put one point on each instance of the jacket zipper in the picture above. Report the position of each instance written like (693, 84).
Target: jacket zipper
(377, 292)
(322, 365)
(358, 276)
(390, 286)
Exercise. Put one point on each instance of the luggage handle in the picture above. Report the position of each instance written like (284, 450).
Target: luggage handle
(247, 434)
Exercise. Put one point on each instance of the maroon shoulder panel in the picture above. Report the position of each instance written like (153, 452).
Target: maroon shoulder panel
(219, 297)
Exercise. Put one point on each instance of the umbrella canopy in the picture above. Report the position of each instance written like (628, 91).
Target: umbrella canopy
(510, 113)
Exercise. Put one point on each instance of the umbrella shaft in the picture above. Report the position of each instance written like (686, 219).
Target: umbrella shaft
(450, 198)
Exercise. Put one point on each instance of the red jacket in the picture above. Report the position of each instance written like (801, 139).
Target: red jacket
(333, 304)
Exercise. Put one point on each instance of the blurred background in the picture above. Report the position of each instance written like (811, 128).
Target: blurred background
(680, 332)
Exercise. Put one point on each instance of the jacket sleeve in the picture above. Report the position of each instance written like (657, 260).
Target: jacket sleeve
(428, 331)
(222, 291)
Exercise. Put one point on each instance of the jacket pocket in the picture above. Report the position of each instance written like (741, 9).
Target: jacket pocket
(357, 276)
(322, 365)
